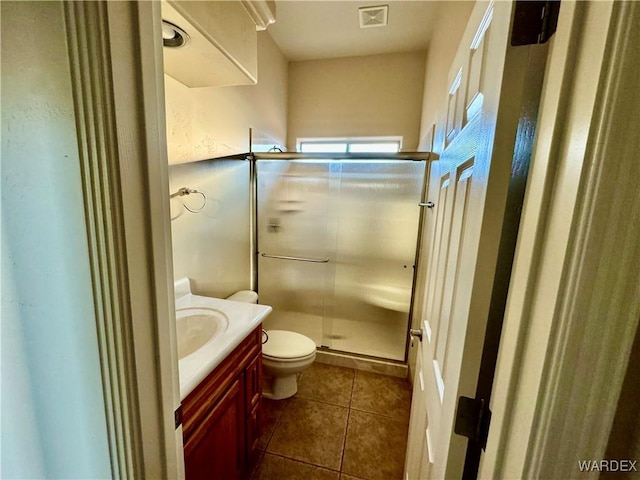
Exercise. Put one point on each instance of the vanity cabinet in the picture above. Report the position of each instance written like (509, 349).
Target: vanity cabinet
(221, 416)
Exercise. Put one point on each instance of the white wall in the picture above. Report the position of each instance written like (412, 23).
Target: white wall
(211, 122)
(53, 414)
(374, 95)
(450, 24)
(212, 247)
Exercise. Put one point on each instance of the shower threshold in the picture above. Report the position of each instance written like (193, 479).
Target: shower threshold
(365, 363)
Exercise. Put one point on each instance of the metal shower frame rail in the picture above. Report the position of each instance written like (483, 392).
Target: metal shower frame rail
(252, 157)
(416, 156)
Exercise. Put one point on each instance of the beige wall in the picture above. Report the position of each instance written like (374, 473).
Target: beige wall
(451, 22)
(376, 95)
(212, 247)
(211, 122)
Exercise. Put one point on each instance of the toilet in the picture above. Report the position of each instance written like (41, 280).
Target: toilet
(284, 355)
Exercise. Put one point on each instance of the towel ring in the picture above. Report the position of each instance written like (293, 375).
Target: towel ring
(188, 191)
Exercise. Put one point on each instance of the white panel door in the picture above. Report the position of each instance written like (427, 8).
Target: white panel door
(468, 184)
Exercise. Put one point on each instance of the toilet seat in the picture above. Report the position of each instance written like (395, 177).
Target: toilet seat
(267, 358)
(283, 345)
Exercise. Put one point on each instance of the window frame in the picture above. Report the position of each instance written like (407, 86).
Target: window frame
(348, 142)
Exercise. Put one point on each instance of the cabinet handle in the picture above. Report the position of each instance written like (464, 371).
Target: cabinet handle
(177, 415)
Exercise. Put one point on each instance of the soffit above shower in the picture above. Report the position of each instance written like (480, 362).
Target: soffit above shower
(310, 29)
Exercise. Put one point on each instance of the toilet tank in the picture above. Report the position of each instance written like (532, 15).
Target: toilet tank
(245, 296)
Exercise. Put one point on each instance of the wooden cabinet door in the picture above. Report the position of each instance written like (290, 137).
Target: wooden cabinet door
(216, 451)
(253, 434)
(253, 394)
(253, 383)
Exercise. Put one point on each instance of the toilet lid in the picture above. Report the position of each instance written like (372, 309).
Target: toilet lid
(284, 344)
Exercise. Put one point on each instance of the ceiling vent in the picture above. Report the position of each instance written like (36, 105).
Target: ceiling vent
(373, 16)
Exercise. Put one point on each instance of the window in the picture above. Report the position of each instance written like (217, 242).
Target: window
(343, 145)
(323, 147)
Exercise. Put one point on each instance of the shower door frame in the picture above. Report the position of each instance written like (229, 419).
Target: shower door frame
(426, 157)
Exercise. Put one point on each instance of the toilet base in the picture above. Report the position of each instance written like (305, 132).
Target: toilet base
(281, 387)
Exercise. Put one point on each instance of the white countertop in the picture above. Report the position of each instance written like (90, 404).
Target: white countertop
(243, 319)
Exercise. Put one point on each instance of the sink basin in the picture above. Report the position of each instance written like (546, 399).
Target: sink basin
(195, 327)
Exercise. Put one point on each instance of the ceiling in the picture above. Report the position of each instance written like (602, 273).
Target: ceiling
(311, 29)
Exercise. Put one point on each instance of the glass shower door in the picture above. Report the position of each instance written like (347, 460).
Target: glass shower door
(377, 218)
(295, 245)
(336, 243)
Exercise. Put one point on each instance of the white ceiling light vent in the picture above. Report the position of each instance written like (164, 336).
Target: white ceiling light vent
(373, 16)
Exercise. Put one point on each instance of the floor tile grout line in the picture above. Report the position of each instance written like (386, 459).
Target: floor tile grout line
(323, 402)
(349, 408)
(289, 401)
(348, 405)
(344, 443)
(276, 424)
(353, 387)
(346, 432)
(380, 415)
(256, 466)
(302, 461)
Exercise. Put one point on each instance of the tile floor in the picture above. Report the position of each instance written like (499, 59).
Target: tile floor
(343, 424)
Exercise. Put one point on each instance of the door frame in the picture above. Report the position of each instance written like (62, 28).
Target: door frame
(556, 275)
(116, 67)
(559, 373)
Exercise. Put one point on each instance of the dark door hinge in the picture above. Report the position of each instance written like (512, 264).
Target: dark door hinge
(177, 415)
(534, 22)
(472, 420)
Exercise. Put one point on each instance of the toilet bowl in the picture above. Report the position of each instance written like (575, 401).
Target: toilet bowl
(284, 355)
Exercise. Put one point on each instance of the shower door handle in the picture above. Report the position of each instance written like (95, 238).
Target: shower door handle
(415, 333)
(297, 259)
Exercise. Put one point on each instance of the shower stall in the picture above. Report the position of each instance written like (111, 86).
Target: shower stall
(335, 243)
